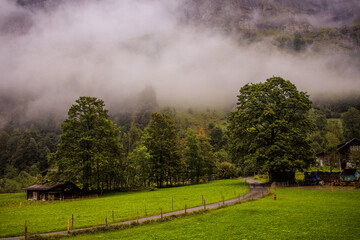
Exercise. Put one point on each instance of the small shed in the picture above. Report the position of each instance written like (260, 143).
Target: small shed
(46, 192)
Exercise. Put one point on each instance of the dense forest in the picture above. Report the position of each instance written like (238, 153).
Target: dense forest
(195, 144)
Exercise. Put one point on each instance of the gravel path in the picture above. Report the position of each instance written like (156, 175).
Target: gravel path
(257, 190)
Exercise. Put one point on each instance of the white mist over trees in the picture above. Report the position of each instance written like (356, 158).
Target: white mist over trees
(113, 49)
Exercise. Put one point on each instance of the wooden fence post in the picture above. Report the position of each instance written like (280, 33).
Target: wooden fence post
(72, 220)
(137, 217)
(113, 215)
(161, 213)
(106, 220)
(26, 230)
(145, 212)
(172, 203)
(223, 201)
(68, 227)
(185, 209)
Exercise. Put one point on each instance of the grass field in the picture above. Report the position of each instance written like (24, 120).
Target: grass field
(52, 216)
(296, 214)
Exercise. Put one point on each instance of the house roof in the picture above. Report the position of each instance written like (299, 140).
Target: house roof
(342, 145)
(45, 187)
(339, 147)
(42, 187)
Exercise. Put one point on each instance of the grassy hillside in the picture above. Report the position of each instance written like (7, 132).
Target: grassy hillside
(52, 216)
(296, 214)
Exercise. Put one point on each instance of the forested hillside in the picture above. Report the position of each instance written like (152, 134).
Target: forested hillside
(200, 143)
(173, 67)
(323, 26)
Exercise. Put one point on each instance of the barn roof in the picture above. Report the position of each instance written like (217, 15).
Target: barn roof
(342, 145)
(42, 187)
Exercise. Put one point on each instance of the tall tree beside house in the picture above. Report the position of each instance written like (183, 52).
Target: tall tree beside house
(26, 153)
(269, 130)
(162, 142)
(89, 150)
(351, 123)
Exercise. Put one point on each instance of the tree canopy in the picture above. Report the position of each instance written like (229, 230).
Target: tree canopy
(269, 130)
(89, 149)
(351, 123)
(162, 143)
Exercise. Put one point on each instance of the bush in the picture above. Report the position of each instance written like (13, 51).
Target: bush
(12, 185)
(226, 170)
(9, 186)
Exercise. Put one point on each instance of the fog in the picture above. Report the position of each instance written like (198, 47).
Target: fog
(112, 49)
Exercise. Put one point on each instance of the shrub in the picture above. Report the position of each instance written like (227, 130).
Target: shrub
(226, 170)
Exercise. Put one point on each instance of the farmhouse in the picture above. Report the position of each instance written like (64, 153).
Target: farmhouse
(343, 158)
(46, 192)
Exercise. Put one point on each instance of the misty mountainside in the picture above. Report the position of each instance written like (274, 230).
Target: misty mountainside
(322, 25)
(193, 53)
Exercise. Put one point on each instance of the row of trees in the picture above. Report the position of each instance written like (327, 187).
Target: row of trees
(92, 151)
(273, 129)
(23, 154)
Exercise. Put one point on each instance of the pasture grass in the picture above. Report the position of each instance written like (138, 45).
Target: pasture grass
(296, 214)
(52, 216)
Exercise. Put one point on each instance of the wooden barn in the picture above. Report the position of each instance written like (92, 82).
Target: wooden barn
(46, 192)
(342, 158)
(345, 150)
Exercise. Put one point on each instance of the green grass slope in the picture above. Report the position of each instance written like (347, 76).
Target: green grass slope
(52, 216)
(296, 214)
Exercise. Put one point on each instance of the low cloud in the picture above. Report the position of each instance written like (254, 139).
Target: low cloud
(113, 49)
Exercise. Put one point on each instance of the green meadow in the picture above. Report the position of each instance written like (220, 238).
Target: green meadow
(52, 216)
(296, 214)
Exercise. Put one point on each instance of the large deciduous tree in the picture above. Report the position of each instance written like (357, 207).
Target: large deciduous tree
(269, 130)
(162, 142)
(89, 150)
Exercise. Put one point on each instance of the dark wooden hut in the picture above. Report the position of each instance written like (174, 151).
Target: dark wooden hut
(46, 192)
